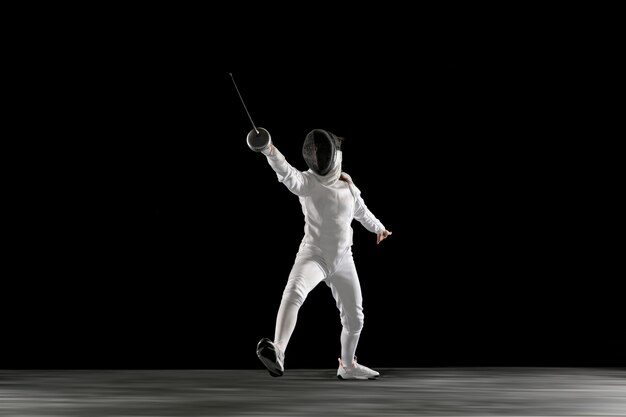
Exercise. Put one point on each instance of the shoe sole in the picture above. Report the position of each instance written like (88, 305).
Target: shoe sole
(267, 355)
(362, 379)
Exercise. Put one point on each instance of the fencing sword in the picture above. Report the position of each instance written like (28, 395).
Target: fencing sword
(258, 138)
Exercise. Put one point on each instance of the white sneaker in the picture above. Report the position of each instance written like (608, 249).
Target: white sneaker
(271, 356)
(355, 371)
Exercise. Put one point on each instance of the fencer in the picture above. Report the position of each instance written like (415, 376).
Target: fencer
(330, 201)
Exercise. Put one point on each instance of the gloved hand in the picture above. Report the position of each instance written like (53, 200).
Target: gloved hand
(268, 150)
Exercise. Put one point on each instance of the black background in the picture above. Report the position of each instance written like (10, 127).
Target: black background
(151, 236)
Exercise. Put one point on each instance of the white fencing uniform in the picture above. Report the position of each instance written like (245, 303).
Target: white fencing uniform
(329, 205)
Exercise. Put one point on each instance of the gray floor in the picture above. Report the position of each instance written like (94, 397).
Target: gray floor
(399, 392)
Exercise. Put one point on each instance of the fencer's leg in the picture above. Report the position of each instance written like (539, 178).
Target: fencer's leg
(285, 323)
(305, 275)
(346, 290)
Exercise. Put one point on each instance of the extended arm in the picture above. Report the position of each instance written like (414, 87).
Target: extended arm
(292, 178)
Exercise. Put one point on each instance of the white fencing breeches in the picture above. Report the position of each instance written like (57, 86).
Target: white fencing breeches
(309, 270)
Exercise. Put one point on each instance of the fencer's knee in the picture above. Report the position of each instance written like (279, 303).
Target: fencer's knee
(295, 291)
(353, 324)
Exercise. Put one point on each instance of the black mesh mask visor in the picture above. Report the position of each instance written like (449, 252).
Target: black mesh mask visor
(320, 150)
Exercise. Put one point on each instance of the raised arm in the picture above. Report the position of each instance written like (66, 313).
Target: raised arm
(293, 179)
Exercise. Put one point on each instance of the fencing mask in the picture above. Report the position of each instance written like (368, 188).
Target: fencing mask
(320, 150)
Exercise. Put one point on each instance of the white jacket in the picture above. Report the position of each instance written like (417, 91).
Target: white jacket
(329, 206)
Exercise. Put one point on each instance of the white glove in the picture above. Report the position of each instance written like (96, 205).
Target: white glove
(268, 150)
